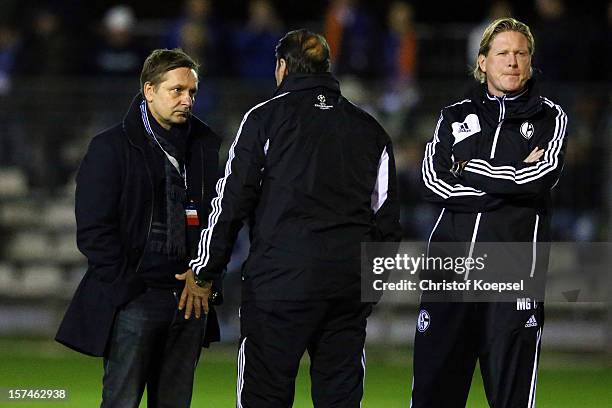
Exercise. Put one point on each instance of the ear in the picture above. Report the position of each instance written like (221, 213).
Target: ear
(282, 67)
(481, 63)
(280, 71)
(148, 90)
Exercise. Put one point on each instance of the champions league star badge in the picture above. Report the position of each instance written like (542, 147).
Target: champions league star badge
(527, 130)
(423, 320)
(322, 105)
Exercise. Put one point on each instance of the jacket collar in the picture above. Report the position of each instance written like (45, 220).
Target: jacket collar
(522, 104)
(299, 82)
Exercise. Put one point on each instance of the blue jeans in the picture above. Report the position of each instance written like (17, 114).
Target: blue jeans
(152, 345)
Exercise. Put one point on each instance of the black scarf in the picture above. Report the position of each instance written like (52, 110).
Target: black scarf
(170, 238)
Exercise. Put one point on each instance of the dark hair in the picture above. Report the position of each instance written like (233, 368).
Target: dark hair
(161, 61)
(304, 51)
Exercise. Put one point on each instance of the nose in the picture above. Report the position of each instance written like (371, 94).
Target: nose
(512, 60)
(187, 100)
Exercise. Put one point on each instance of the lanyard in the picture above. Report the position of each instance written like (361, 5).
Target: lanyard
(171, 159)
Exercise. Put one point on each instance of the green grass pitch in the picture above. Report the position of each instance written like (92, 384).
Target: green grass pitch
(564, 381)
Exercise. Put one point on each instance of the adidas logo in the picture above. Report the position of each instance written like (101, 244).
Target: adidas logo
(464, 128)
(532, 322)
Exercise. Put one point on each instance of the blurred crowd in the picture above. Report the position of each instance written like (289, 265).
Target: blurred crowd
(393, 58)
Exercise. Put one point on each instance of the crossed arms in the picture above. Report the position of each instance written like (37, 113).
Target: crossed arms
(480, 185)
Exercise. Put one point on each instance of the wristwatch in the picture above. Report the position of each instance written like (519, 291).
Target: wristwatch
(457, 168)
(215, 297)
(201, 282)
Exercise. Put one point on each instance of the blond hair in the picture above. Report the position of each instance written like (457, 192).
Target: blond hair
(499, 26)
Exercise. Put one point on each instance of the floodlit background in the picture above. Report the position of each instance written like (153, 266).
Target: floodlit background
(69, 69)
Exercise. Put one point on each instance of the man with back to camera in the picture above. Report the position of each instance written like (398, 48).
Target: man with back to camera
(491, 164)
(314, 176)
(143, 189)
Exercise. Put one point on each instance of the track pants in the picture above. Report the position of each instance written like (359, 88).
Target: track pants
(450, 337)
(274, 337)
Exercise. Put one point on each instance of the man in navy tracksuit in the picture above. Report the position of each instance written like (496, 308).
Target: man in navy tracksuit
(314, 176)
(493, 159)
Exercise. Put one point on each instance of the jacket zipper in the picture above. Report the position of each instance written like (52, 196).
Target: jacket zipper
(473, 242)
(502, 114)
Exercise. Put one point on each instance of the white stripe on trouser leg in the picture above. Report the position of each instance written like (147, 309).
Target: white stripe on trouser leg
(363, 365)
(534, 247)
(240, 379)
(534, 374)
(412, 392)
(535, 388)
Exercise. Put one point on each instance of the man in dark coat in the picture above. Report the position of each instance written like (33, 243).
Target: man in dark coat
(143, 189)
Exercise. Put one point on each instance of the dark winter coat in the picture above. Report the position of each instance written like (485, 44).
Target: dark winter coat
(113, 206)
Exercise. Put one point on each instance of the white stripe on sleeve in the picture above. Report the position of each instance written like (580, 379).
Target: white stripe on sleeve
(381, 187)
(435, 184)
(549, 162)
(205, 236)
